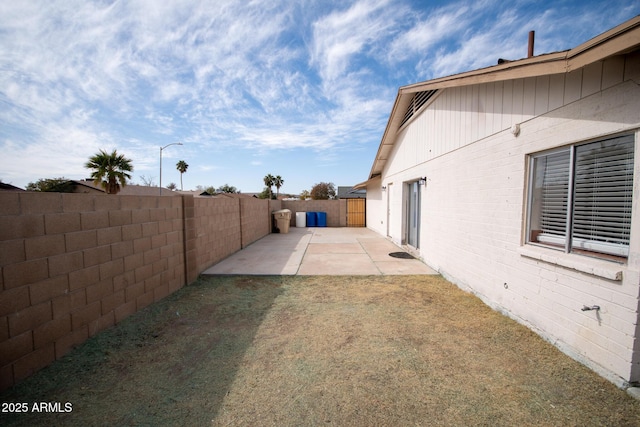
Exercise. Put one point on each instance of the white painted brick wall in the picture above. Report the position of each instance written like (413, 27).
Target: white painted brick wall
(473, 213)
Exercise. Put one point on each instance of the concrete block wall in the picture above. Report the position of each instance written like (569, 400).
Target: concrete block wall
(223, 226)
(336, 210)
(256, 218)
(72, 265)
(217, 221)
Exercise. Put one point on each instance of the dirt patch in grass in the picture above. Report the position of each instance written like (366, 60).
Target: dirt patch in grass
(321, 350)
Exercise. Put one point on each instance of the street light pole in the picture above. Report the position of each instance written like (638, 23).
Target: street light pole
(162, 148)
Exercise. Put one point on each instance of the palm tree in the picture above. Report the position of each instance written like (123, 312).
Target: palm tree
(269, 181)
(182, 167)
(278, 181)
(111, 171)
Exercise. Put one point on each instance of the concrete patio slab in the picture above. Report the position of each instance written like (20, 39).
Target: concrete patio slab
(279, 254)
(320, 251)
(342, 235)
(337, 265)
(379, 249)
(335, 248)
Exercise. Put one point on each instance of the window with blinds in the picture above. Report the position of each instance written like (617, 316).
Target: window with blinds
(581, 197)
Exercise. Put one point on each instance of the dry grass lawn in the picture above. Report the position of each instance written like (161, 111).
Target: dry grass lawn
(322, 350)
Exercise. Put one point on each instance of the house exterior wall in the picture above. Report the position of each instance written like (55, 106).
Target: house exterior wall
(474, 202)
(376, 207)
(463, 115)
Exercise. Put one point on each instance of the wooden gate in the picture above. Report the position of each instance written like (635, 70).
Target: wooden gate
(356, 212)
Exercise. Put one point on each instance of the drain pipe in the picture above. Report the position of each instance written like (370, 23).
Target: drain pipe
(532, 37)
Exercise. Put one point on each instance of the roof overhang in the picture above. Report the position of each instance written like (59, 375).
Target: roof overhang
(365, 184)
(619, 40)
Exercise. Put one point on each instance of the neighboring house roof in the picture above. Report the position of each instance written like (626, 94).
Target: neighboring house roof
(86, 186)
(145, 190)
(620, 40)
(237, 195)
(9, 187)
(127, 190)
(188, 192)
(351, 193)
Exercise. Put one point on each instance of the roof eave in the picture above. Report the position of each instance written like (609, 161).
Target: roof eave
(619, 40)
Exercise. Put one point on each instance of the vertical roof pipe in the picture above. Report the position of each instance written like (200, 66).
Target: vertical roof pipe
(532, 36)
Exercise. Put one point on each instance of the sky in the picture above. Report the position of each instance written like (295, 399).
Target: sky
(302, 89)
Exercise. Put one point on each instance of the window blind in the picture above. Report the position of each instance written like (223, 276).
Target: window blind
(555, 193)
(603, 189)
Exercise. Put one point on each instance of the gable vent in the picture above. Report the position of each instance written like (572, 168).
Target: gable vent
(418, 100)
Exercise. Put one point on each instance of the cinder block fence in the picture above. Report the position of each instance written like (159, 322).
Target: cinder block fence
(72, 265)
(336, 210)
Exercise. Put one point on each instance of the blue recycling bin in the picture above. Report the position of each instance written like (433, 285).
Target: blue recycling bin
(311, 219)
(321, 219)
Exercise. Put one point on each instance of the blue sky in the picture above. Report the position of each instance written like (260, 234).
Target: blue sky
(301, 89)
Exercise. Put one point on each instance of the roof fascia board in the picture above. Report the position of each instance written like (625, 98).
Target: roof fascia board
(364, 184)
(392, 117)
(621, 44)
(602, 39)
(554, 63)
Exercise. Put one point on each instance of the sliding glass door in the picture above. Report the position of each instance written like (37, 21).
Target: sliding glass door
(413, 214)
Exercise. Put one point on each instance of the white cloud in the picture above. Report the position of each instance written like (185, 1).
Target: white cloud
(231, 76)
(341, 35)
(441, 24)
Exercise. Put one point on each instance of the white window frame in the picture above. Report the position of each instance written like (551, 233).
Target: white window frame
(561, 236)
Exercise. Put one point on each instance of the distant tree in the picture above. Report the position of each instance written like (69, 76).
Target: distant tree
(58, 185)
(147, 181)
(210, 190)
(266, 194)
(305, 195)
(323, 191)
(182, 167)
(110, 170)
(269, 181)
(278, 181)
(227, 189)
(172, 186)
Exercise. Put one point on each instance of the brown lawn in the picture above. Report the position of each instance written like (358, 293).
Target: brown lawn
(321, 350)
